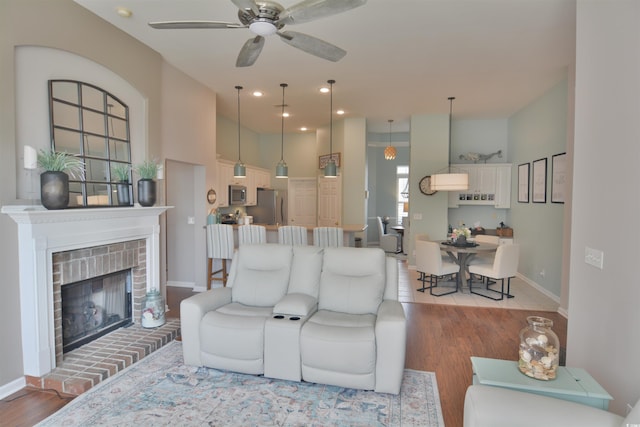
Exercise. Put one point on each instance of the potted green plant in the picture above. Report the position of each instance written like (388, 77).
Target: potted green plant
(147, 171)
(120, 172)
(54, 181)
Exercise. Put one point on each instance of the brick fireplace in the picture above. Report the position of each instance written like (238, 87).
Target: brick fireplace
(77, 240)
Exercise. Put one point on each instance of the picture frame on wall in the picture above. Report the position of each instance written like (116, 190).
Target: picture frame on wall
(523, 183)
(539, 181)
(324, 159)
(558, 177)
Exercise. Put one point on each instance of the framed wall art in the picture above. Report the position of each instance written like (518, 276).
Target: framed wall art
(324, 159)
(523, 183)
(539, 181)
(558, 177)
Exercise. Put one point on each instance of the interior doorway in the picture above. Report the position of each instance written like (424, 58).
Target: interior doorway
(185, 236)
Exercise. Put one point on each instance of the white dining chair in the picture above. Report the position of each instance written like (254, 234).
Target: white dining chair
(504, 266)
(252, 234)
(294, 235)
(388, 242)
(432, 266)
(219, 246)
(328, 237)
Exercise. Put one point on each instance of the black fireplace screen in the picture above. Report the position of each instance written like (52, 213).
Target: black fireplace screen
(93, 307)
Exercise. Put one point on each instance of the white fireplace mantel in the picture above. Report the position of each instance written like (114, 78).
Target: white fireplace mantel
(41, 233)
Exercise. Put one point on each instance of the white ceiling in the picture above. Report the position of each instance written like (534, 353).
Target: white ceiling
(403, 57)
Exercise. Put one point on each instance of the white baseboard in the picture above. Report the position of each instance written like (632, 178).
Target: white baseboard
(177, 284)
(538, 287)
(12, 387)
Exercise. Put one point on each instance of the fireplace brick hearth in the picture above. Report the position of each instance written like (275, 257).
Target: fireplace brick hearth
(87, 366)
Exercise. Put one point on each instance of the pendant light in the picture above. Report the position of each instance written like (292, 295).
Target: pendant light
(330, 170)
(282, 170)
(390, 151)
(450, 180)
(239, 170)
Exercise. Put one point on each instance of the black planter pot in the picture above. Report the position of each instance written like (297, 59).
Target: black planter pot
(123, 192)
(54, 190)
(146, 192)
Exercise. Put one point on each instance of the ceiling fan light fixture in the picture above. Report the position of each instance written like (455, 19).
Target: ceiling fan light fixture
(262, 28)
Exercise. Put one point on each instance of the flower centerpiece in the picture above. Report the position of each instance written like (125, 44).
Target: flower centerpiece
(460, 235)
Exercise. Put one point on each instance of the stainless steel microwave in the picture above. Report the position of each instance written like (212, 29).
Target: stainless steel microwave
(237, 195)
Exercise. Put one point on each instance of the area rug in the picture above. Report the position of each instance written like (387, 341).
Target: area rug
(161, 390)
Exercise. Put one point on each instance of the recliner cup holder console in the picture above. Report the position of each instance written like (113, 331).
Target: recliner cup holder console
(280, 316)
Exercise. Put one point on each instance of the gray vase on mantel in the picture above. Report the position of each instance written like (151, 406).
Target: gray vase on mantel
(54, 189)
(146, 192)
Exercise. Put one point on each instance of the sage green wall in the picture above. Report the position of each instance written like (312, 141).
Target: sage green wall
(299, 154)
(429, 139)
(227, 142)
(382, 186)
(539, 131)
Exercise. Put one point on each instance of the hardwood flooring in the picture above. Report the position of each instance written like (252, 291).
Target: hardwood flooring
(440, 338)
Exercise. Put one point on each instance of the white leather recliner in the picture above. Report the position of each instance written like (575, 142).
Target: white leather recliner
(357, 337)
(488, 406)
(266, 321)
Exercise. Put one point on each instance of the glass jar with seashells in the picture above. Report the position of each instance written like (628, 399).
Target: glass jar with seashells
(539, 349)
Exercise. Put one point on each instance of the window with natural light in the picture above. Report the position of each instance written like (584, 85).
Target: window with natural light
(402, 179)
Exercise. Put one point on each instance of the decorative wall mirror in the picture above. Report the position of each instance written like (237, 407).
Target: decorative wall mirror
(93, 125)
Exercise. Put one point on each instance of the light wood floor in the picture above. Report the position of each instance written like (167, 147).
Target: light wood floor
(440, 338)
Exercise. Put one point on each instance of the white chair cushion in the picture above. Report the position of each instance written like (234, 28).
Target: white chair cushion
(262, 274)
(339, 342)
(352, 280)
(305, 270)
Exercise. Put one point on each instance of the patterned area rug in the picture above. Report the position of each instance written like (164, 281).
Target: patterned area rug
(161, 390)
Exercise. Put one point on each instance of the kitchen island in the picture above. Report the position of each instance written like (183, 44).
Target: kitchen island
(349, 231)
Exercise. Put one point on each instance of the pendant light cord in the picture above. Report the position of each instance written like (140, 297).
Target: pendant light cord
(239, 157)
(451, 98)
(331, 82)
(284, 85)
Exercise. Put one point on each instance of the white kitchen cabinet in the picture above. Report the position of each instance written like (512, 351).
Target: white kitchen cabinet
(225, 175)
(256, 178)
(489, 185)
(263, 178)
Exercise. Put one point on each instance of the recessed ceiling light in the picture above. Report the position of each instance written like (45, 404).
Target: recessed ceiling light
(303, 128)
(340, 112)
(257, 93)
(285, 114)
(324, 90)
(124, 12)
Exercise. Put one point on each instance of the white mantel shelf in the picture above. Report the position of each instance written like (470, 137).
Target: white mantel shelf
(43, 232)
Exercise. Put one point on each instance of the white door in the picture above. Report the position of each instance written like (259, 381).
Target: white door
(329, 201)
(301, 206)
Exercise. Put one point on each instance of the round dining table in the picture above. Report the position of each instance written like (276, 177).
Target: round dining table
(461, 255)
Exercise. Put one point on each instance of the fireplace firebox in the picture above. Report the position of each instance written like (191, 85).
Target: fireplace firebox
(94, 307)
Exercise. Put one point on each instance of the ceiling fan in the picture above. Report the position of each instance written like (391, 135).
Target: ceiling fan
(265, 18)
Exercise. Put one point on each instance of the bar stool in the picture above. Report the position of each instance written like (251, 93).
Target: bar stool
(294, 235)
(252, 234)
(328, 237)
(219, 246)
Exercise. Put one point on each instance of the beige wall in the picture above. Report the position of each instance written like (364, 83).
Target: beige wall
(180, 124)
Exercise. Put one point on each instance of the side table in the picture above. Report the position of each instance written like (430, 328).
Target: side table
(573, 384)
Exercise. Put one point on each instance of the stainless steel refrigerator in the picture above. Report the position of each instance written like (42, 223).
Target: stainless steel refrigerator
(271, 208)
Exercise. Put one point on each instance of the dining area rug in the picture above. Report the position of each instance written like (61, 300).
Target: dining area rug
(161, 390)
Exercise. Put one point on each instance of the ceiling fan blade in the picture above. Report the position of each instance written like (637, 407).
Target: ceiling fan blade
(174, 25)
(313, 45)
(250, 52)
(247, 5)
(309, 10)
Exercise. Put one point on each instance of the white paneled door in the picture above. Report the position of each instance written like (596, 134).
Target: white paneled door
(301, 205)
(329, 201)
